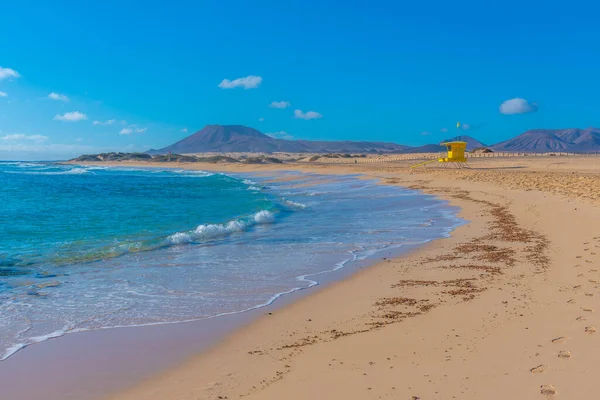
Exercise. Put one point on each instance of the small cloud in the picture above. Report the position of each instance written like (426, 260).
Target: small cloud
(261, 119)
(280, 104)
(141, 130)
(58, 96)
(123, 122)
(425, 133)
(249, 82)
(184, 130)
(307, 115)
(8, 73)
(471, 127)
(517, 106)
(21, 137)
(79, 139)
(279, 135)
(71, 116)
(444, 130)
(108, 122)
(3, 94)
(126, 131)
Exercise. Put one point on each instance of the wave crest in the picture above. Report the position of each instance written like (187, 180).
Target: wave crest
(210, 231)
(295, 204)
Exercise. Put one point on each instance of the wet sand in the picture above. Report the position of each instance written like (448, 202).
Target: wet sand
(504, 308)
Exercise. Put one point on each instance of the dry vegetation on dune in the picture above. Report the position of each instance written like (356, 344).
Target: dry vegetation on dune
(577, 185)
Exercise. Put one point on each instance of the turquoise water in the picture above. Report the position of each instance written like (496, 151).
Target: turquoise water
(55, 215)
(93, 247)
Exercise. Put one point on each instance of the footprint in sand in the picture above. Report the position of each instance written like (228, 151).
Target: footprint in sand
(547, 390)
(564, 354)
(580, 318)
(589, 294)
(560, 339)
(587, 309)
(590, 329)
(538, 370)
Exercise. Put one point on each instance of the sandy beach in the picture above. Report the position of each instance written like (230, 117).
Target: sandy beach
(504, 308)
(219, 201)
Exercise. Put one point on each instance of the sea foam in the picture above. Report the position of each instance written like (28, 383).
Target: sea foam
(210, 231)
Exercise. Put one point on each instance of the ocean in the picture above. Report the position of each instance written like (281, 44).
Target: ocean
(85, 248)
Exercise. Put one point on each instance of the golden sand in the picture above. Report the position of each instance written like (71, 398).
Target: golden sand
(503, 309)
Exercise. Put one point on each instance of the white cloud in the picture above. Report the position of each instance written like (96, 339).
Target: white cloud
(15, 137)
(261, 119)
(132, 129)
(279, 135)
(8, 73)
(58, 96)
(280, 104)
(517, 106)
(444, 130)
(123, 122)
(71, 116)
(425, 133)
(3, 94)
(108, 122)
(184, 130)
(465, 127)
(79, 139)
(249, 82)
(307, 115)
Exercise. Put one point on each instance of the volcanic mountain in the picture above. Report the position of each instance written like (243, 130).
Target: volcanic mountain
(544, 140)
(238, 138)
(472, 143)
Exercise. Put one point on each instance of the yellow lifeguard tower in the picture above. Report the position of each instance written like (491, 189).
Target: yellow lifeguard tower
(456, 155)
(456, 152)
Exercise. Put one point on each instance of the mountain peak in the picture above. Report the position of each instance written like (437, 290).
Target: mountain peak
(239, 138)
(542, 140)
(472, 143)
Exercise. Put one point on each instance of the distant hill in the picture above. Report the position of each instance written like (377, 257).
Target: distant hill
(472, 143)
(238, 138)
(426, 148)
(547, 140)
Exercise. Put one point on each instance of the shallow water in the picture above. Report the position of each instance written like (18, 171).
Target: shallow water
(93, 247)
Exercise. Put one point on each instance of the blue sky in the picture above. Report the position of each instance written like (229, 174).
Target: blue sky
(380, 70)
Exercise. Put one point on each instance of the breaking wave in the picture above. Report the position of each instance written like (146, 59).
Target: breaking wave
(206, 232)
(294, 204)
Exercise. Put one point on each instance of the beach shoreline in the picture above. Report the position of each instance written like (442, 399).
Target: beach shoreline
(437, 302)
(78, 348)
(489, 312)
